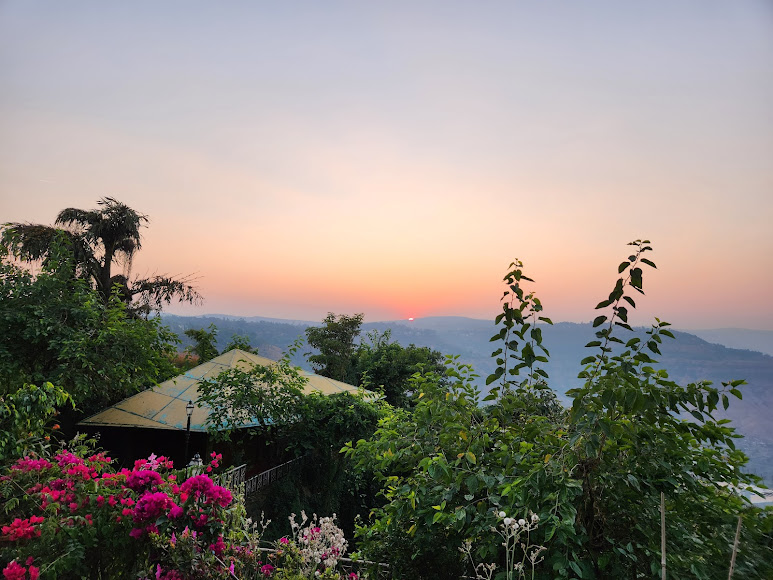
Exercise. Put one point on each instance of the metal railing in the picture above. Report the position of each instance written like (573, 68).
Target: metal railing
(269, 476)
(376, 570)
(232, 478)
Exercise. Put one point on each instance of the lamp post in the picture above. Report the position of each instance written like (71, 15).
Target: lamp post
(189, 412)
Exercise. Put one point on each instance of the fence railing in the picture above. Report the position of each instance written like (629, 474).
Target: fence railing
(232, 478)
(236, 477)
(269, 476)
(376, 570)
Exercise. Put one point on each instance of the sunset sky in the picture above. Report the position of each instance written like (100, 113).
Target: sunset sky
(393, 158)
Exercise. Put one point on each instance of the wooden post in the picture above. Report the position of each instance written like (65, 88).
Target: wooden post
(735, 549)
(663, 535)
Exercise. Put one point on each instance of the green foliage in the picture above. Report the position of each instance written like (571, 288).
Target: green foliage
(260, 396)
(241, 342)
(385, 366)
(97, 239)
(327, 483)
(334, 342)
(204, 342)
(271, 398)
(592, 476)
(55, 327)
(637, 433)
(26, 419)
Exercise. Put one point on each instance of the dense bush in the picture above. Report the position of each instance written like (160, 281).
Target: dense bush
(55, 328)
(314, 426)
(593, 476)
(69, 514)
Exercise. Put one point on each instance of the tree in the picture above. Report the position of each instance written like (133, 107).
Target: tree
(270, 399)
(262, 396)
(385, 366)
(241, 342)
(204, 342)
(55, 327)
(334, 341)
(97, 240)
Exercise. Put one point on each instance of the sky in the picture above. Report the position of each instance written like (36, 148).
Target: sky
(393, 158)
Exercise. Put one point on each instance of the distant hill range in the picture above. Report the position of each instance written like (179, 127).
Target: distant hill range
(714, 355)
(742, 338)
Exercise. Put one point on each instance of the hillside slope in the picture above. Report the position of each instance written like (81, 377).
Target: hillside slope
(688, 359)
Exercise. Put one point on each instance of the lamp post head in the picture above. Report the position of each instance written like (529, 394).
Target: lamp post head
(189, 408)
(196, 461)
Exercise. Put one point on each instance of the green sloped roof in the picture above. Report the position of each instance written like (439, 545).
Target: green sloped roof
(163, 406)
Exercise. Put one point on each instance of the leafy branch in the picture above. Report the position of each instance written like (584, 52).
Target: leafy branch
(519, 316)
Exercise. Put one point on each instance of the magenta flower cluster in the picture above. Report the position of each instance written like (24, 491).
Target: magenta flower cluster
(72, 492)
(156, 526)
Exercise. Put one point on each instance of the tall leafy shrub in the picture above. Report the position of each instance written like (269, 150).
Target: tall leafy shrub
(591, 475)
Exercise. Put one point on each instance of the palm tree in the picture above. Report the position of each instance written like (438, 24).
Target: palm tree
(97, 239)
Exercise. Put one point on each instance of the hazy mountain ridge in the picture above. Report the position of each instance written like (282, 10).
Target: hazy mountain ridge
(740, 338)
(688, 359)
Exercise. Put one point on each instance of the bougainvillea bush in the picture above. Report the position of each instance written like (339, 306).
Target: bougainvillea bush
(71, 514)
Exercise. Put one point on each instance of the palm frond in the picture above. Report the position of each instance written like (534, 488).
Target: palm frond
(82, 218)
(152, 293)
(29, 242)
(117, 228)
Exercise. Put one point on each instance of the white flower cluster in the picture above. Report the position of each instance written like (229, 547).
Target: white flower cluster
(520, 524)
(321, 543)
(519, 550)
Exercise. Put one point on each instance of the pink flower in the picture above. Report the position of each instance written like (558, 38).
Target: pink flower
(23, 529)
(218, 547)
(28, 464)
(284, 541)
(142, 480)
(65, 458)
(14, 571)
(267, 570)
(202, 488)
(150, 506)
